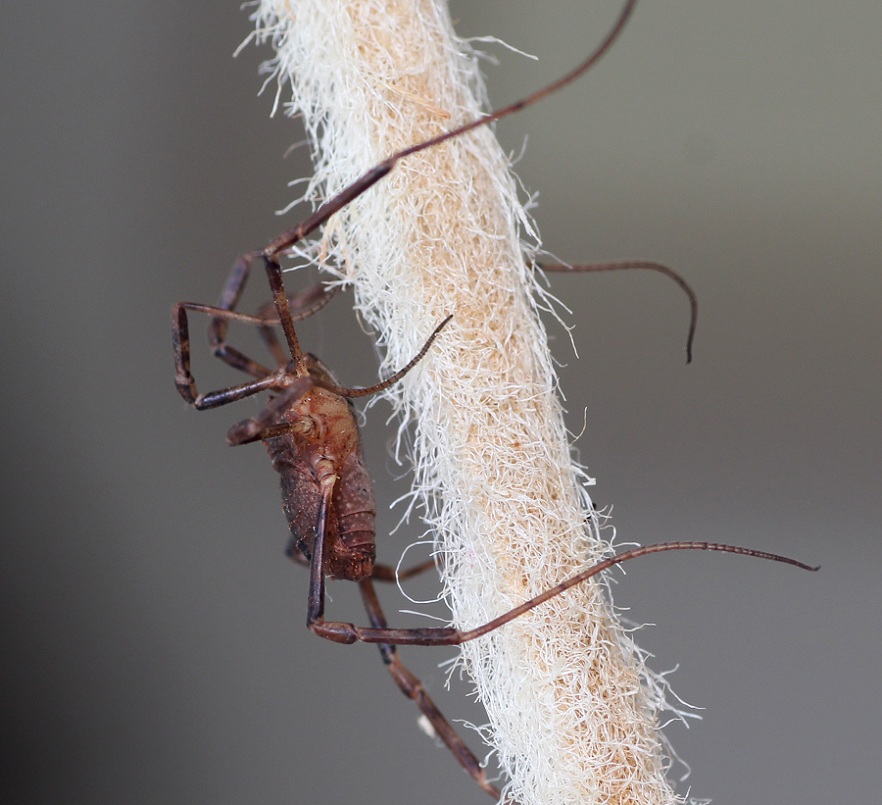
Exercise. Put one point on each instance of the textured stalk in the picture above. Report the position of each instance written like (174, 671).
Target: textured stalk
(572, 709)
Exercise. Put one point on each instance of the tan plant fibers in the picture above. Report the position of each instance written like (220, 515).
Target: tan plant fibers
(572, 709)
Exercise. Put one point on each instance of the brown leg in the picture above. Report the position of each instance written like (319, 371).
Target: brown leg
(283, 242)
(406, 681)
(341, 632)
(184, 380)
(393, 379)
(303, 304)
(229, 299)
(647, 265)
(411, 687)
(296, 233)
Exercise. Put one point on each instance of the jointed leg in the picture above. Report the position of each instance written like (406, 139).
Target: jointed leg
(291, 236)
(303, 304)
(648, 265)
(221, 315)
(411, 687)
(393, 379)
(341, 632)
(281, 244)
(184, 380)
(229, 299)
(389, 573)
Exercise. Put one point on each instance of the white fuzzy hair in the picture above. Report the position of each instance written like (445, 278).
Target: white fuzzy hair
(573, 711)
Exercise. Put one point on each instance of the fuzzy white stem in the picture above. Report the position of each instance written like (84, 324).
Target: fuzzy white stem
(572, 710)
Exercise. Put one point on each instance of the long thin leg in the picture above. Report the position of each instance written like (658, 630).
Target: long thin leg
(229, 299)
(649, 265)
(305, 303)
(184, 380)
(221, 315)
(391, 380)
(186, 383)
(315, 607)
(411, 687)
(291, 236)
(286, 319)
(302, 304)
(241, 269)
(433, 636)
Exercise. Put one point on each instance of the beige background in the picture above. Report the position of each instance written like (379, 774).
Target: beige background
(153, 642)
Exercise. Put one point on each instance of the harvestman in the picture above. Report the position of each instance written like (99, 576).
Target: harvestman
(310, 432)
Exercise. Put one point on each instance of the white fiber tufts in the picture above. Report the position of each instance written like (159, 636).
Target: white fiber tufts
(571, 706)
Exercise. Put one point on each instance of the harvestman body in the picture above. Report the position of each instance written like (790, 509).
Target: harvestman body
(310, 432)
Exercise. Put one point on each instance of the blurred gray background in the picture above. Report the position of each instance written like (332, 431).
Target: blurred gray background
(153, 642)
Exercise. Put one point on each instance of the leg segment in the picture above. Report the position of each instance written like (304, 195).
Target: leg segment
(648, 265)
(393, 379)
(291, 236)
(433, 636)
(278, 246)
(217, 329)
(184, 380)
(303, 304)
(411, 687)
(389, 573)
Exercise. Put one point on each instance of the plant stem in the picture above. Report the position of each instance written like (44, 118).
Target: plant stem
(572, 709)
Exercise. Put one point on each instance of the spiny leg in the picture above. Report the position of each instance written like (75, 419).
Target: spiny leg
(434, 636)
(648, 265)
(411, 687)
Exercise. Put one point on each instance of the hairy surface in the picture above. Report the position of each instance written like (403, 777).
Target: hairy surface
(572, 709)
